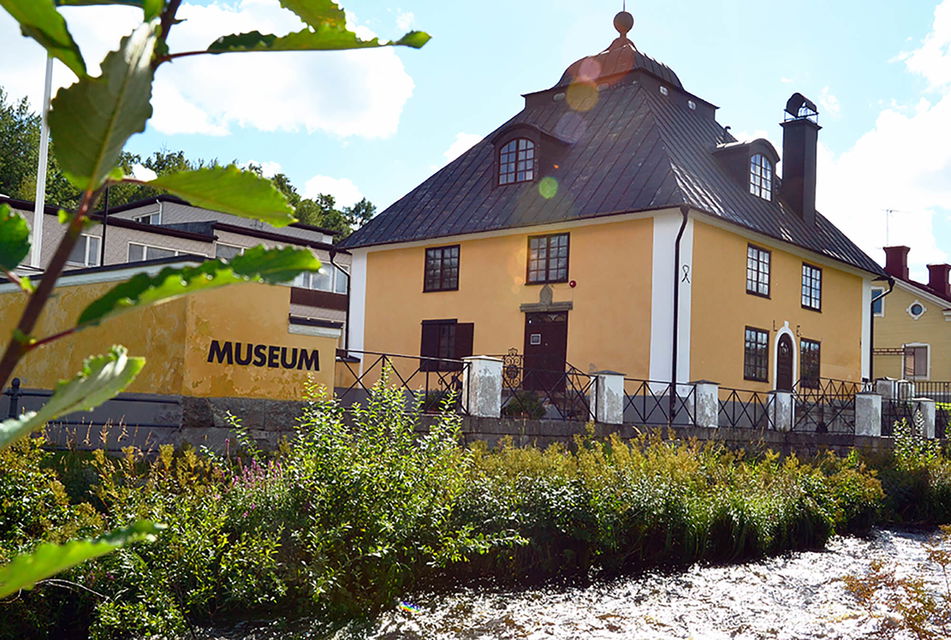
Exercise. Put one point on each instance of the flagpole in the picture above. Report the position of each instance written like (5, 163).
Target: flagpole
(40, 199)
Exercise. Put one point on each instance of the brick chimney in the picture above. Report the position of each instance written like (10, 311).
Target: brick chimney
(800, 140)
(938, 279)
(896, 261)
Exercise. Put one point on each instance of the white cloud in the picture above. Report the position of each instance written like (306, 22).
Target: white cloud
(405, 20)
(343, 190)
(348, 93)
(828, 103)
(903, 163)
(462, 143)
(268, 168)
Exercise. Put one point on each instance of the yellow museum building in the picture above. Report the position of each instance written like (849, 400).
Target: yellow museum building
(613, 224)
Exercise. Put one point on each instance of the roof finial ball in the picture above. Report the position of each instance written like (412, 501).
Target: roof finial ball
(623, 22)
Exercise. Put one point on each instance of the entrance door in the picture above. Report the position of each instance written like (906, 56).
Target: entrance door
(546, 347)
(784, 363)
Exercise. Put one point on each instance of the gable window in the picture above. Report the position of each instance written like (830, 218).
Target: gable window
(761, 177)
(139, 252)
(151, 218)
(548, 258)
(757, 271)
(756, 355)
(517, 161)
(811, 287)
(878, 306)
(809, 363)
(916, 361)
(85, 252)
(442, 269)
(443, 342)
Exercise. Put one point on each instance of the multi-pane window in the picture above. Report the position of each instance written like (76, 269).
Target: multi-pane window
(328, 278)
(761, 177)
(756, 355)
(442, 269)
(916, 361)
(151, 218)
(442, 340)
(85, 251)
(878, 302)
(809, 363)
(811, 287)
(757, 271)
(517, 161)
(139, 252)
(548, 258)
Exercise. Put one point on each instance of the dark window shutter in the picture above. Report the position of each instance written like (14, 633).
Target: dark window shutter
(463, 347)
(429, 346)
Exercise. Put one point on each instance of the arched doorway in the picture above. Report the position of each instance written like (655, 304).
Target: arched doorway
(784, 363)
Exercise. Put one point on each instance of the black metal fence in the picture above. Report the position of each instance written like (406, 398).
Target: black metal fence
(743, 408)
(826, 405)
(430, 382)
(651, 403)
(130, 419)
(550, 395)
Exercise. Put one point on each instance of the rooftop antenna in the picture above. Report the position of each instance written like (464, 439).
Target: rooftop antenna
(888, 215)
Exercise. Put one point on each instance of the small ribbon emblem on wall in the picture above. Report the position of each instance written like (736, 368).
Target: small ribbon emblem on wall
(686, 276)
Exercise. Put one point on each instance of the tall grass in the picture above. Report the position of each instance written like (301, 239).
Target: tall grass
(357, 509)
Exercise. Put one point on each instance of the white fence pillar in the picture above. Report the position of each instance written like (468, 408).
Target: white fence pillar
(608, 405)
(780, 410)
(482, 387)
(868, 414)
(707, 395)
(927, 408)
(885, 387)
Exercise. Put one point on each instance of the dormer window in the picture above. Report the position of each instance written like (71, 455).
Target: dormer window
(517, 161)
(761, 177)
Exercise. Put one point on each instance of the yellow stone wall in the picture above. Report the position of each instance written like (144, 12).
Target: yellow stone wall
(175, 338)
(608, 327)
(722, 310)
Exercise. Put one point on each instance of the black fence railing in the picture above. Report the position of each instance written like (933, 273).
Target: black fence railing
(937, 390)
(129, 419)
(551, 395)
(743, 408)
(651, 403)
(430, 382)
(896, 410)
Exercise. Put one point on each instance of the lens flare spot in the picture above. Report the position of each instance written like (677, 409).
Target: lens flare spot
(582, 96)
(589, 70)
(548, 187)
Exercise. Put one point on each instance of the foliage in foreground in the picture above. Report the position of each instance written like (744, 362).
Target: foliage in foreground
(350, 514)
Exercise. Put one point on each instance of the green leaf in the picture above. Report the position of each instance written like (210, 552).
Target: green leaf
(153, 8)
(317, 12)
(327, 30)
(254, 265)
(40, 20)
(14, 238)
(327, 38)
(92, 120)
(102, 378)
(83, 3)
(229, 189)
(25, 570)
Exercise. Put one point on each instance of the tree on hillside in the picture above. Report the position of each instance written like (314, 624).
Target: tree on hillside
(20, 140)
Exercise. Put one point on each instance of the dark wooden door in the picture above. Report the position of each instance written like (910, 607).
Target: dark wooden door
(784, 364)
(546, 347)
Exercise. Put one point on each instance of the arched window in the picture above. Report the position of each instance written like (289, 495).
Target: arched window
(761, 177)
(517, 161)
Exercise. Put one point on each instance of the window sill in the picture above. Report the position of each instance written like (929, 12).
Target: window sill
(439, 290)
(817, 310)
(758, 295)
(534, 282)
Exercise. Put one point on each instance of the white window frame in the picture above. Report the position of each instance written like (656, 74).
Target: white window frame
(333, 279)
(761, 185)
(880, 291)
(924, 310)
(86, 262)
(927, 347)
(145, 251)
(149, 216)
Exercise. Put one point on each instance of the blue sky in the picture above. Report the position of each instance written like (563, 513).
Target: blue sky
(377, 123)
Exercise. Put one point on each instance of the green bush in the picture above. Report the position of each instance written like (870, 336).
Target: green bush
(917, 478)
(524, 404)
